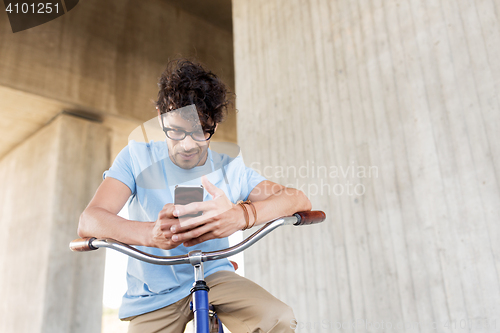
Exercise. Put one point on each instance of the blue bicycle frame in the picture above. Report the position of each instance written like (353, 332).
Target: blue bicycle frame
(199, 294)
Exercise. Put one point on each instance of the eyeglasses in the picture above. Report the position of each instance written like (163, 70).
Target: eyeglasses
(179, 134)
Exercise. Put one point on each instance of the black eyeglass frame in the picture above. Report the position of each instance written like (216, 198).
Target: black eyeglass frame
(186, 133)
(210, 131)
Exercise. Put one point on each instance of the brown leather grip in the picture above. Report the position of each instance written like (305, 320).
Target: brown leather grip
(82, 244)
(310, 217)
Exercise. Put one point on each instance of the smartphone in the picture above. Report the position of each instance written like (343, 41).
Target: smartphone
(184, 194)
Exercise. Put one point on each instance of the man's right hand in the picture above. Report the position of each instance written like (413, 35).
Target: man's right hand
(161, 234)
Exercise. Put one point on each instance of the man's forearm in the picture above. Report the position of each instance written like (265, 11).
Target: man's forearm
(98, 222)
(283, 203)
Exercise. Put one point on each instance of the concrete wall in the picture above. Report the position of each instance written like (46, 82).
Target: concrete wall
(409, 88)
(46, 182)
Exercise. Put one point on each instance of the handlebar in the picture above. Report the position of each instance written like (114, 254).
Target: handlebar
(82, 244)
(301, 218)
(310, 217)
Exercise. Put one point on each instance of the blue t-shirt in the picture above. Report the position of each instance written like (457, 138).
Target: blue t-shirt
(151, 176)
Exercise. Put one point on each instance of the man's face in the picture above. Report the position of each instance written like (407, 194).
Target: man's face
(186, 153)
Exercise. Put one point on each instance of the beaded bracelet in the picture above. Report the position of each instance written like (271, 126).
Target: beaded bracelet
(245, 213)
(254, 211)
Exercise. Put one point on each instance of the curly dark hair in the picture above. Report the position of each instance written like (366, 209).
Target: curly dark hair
(184, 83)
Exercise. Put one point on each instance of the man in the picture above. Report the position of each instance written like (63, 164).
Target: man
(191, 103)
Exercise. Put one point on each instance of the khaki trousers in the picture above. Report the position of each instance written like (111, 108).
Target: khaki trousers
(241, 305)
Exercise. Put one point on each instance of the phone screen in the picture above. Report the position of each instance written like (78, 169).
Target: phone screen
(187, 194)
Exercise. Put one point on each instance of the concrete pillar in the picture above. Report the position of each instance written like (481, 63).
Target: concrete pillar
(409, 90)
(46, 182)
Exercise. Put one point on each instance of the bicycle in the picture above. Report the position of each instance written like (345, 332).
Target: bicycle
(205, 317)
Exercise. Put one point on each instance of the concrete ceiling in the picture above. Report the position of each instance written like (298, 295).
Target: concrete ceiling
(217, 12)
(34, 111)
